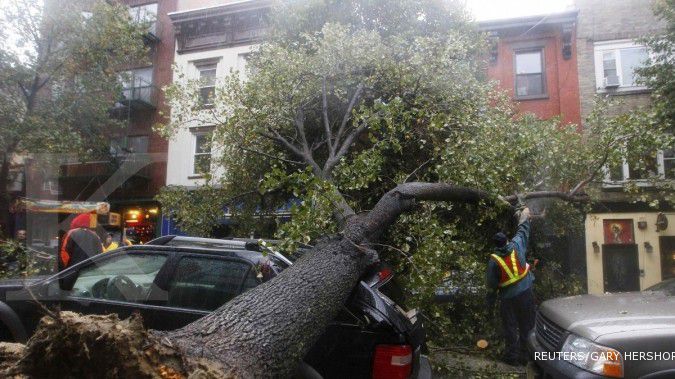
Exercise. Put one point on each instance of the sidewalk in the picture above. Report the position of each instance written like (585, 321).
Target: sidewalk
(450, 364)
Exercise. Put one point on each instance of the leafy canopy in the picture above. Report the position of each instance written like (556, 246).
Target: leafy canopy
(346, 99)
(58, 84)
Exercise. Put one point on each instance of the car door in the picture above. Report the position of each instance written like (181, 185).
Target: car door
(199, 284)
(119, 283)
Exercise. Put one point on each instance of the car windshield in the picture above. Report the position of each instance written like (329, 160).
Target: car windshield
(667, 286)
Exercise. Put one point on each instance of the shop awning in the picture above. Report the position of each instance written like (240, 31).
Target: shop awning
(55, 206)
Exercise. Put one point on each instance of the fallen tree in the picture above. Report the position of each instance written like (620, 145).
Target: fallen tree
(264, 332)
(335, 117)
(343, 101)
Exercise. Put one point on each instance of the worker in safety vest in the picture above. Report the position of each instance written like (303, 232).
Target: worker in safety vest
(79, 243)
(508, 274)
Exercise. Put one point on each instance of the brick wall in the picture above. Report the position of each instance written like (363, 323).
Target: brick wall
(602, 20)
(561, 74)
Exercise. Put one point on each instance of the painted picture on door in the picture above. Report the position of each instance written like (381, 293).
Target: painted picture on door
(618, 231)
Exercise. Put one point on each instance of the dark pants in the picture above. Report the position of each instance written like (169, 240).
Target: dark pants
(517, 321)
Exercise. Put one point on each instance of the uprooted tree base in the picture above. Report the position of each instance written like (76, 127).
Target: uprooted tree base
(76, 346)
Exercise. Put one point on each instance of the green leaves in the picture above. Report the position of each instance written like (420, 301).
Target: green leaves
(425, 112)
(659, 73)
(57, 95)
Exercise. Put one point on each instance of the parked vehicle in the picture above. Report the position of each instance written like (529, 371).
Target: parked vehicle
(173, 281)
(618, 335)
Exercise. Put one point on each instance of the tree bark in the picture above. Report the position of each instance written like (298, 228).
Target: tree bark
(268, 330)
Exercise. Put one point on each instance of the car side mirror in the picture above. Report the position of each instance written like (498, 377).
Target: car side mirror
(67, 281)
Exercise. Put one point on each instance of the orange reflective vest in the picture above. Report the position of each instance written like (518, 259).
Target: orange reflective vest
(64, 254)
(511, 271)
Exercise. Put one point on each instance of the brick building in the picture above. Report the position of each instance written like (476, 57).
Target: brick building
(534, 59)
(628, 245)
(131, 176)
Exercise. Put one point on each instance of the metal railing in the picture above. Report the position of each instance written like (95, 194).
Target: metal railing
(139, 93)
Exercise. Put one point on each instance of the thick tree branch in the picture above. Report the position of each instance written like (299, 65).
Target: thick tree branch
(404, 197)
(592, 175)
(566, 196)
(299, 123)
(344, 148)
(269, 155)
(326, 121)
(348, 113)
(306, 156)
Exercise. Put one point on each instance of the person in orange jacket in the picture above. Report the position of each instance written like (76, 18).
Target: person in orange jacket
(79, 243)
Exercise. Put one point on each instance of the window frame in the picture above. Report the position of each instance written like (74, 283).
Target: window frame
(196, 133)
(542, 55)
(207, 65)
(73, 273)
(615, 46)
(177, 259)
(625, 170)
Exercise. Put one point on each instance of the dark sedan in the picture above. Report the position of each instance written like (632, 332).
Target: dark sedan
(176, 280)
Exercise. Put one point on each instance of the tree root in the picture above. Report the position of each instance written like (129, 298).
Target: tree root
(94, 346)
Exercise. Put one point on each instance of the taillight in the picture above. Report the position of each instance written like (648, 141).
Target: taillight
(392, 362)
(384, 274)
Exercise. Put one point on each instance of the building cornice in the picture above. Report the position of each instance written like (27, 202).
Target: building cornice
(219, 10)
(529, 21)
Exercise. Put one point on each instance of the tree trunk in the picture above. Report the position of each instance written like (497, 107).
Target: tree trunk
(268, 330)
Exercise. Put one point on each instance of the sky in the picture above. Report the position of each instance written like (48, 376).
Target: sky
(495, 9)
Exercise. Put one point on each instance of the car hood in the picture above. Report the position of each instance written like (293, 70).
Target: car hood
(592, 316)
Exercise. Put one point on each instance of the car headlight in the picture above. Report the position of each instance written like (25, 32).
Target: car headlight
(592, 357)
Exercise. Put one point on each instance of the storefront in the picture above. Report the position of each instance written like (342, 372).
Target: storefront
(629, 251)
(140, 222)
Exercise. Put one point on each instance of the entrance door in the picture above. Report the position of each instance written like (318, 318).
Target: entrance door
(620, 267)
(667, 257)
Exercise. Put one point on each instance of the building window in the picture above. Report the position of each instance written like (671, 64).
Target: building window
(202, 153)
(668, 165)
(530, 78)
(207, 83)
(51, 186)
(661, 166)
(129, 145)
(137, 85)
(138, 144)
(145, 14)
(615, 64)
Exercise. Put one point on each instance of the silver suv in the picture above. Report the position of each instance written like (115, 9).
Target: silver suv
(619, 335)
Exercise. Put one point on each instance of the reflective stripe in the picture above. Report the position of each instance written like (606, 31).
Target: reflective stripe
(64, 254)
(512, 275)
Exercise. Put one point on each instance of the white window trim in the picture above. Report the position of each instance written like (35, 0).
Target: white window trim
(199, 64)
(660, 168)
(601, 47)
(195, 135)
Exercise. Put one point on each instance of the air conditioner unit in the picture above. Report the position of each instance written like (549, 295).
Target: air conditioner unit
(611, 81)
